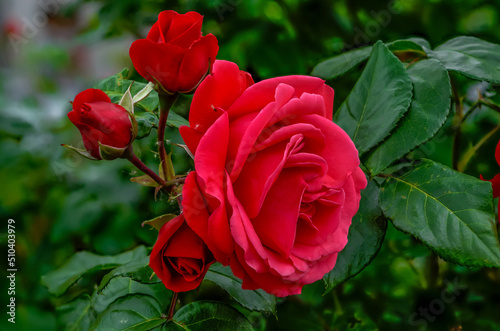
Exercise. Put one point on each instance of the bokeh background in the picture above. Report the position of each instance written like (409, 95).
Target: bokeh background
(53, 49)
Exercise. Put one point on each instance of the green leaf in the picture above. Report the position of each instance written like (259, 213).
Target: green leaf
(159, 221)
(470, 56)
(176, 120)
(133, 312)
(408, 45)
(428, 112)
(340, 64)
(121, 286)
(421, 42)
(77, 314)
(364, 240)
(58, 281)
(137, 269)
(378, 100)
(208, 315)
(450, 212)
(145, 122)
(115, 87)
(251, 299)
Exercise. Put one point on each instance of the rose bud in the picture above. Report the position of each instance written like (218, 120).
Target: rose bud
(106, 128)
(174, 53)
(180, 258)
(276, 182)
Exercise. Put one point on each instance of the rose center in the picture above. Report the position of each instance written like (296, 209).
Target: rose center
(186, 265)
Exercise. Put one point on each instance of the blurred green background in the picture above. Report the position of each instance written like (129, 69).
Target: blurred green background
(51, 50)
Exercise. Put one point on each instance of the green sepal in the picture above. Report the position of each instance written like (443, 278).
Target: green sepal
(159, 221)
(127, 101)
(142, 94)
(135, 126)
(110, 153)
(82, 152)
(144, 180)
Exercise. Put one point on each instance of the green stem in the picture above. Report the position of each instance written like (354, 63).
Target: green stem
(475, 105)
(166, 102)
(457, 121)
(172, 306)
(490, 104)
(433, 271)
(338, 306)
(130, 155)
(175, 181)
(468, 155)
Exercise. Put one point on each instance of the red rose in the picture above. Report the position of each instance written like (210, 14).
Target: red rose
(179, 256)
(495, 182)
(174, 53)
(276, 182)
(100, 121)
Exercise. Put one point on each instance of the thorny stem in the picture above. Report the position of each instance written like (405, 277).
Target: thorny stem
(166, 102)
(172, 306)
(129, 155)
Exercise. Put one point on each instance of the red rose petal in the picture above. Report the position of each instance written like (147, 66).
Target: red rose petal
(180, 24)
(261, 94)
(196, 62)
(218, 90)
(89, 95)
(161, 26)
(187, 37)
(157, 62)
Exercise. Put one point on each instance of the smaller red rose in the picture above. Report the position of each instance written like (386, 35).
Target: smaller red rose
(101, 122)
(180, 258)
(174, 54)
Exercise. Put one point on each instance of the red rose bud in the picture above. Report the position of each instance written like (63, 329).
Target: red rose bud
(106, 128)
(180, 258)
(174, 54)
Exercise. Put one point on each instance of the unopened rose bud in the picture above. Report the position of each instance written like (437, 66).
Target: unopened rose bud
(106, 128)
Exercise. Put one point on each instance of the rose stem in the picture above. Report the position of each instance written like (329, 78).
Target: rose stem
(166, 102)
(457, 126)
(130, 155)
(172, 306)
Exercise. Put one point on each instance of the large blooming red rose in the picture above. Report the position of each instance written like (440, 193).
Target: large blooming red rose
(276, 182)
(179, 257)
(174, 53)
(100, 122)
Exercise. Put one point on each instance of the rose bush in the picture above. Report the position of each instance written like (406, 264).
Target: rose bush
(276, 182)
(179, 256)
(174, 53)
(101, 122)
